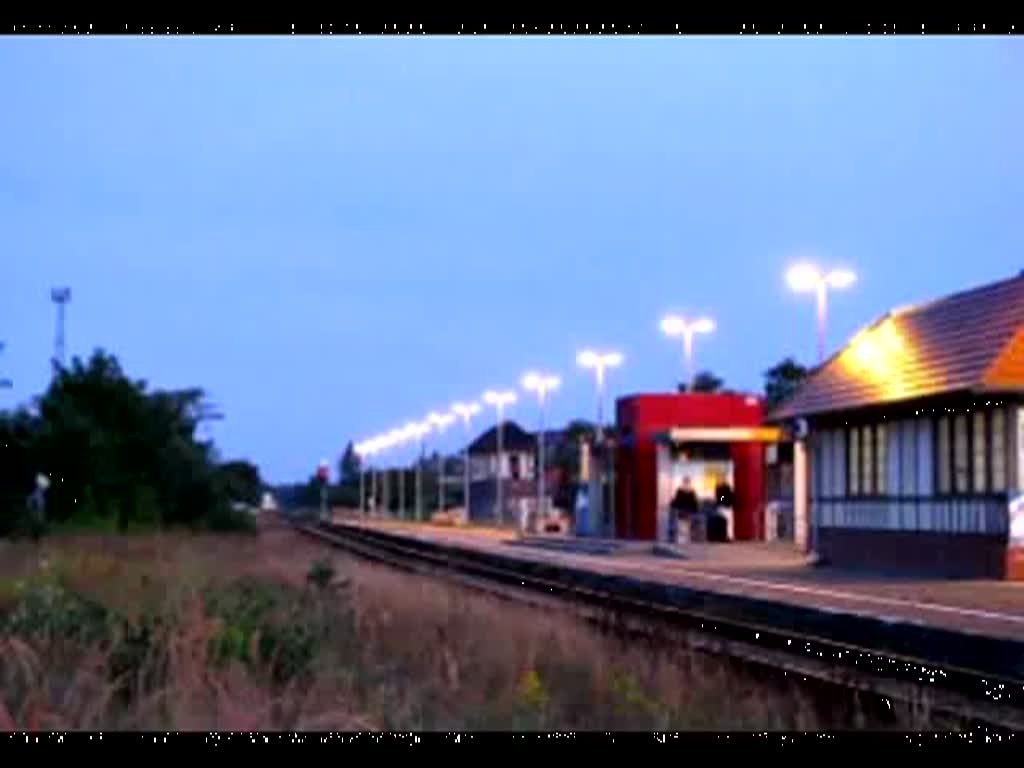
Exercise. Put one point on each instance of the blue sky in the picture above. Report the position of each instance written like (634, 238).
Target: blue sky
(334, 236)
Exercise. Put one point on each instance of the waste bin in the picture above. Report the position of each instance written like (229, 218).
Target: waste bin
(717, 526)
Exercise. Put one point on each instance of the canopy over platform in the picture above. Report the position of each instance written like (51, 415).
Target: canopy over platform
(722, 435)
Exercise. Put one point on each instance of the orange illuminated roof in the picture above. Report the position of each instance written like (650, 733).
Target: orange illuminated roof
(969, 341)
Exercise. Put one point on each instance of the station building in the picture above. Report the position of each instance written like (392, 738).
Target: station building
(912, 449)
(702, 437)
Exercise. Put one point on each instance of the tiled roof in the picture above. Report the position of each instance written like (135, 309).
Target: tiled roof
(513, 438)
(969, 341)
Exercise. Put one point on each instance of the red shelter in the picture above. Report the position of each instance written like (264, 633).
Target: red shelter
(706, 439)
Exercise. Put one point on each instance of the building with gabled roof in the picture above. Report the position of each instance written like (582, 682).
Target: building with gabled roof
(913, 433)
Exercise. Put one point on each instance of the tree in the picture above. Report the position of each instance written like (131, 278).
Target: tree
(782, 381)
(241, 481)
(349, 466)
(704, 381)
(112, 449)
(565, 454)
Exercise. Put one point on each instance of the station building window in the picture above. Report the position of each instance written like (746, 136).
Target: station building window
(957, 454)
(881, 460)
(943, 485)
(853, 453)
(999, 453)
(867, 453)
(971, 453)
(960, 455)
(979, 452)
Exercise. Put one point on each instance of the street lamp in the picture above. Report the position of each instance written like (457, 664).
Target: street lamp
(599, 362)
(373, 447)
(362, 451)
(420, 430)
(678, 326)
(409, 433)
(499, 399)
(391, 440)
(806, 278)
(542, 384)
(440, 422)
(466, 411)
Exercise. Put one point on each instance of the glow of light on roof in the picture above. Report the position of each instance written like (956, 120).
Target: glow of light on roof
(875, 354)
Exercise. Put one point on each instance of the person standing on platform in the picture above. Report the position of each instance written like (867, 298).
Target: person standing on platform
(725, 500)
(682, 511)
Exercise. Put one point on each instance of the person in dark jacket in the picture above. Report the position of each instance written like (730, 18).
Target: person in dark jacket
(683, 509)
(724, 502)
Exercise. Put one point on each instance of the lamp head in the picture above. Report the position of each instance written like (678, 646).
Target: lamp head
(840, 278)
(440, 420)
(588, 358)
(499, 398)
(541, 383)
(703, 325)
(466, 410)
(803, 278)
(673, 325)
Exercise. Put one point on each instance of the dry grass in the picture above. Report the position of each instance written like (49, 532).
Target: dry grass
(384, 650)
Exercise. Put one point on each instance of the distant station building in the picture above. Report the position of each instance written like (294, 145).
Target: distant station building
(516, 464)
(913, 440)
(701, 439)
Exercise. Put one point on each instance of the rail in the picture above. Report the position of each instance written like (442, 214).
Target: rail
(974, 677)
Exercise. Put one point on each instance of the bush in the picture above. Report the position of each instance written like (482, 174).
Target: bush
(144, 509)
(342, 496)
(224, 517)
(22, 522)
(277, 626)
(321, 573)
(46, 610)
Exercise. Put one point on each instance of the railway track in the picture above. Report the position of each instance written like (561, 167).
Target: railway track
(967, 677)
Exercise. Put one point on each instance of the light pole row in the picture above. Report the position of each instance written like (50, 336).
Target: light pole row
(801, 278)
(541, 384)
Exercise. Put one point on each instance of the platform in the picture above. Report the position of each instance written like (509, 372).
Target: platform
(769, 571)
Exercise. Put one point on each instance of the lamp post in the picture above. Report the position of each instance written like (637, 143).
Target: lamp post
(440, 422)
(499, 399)
(385, 492)
(409, 433)
(806, 278)
(466, 411)
(679, 327)
(373, 480)
(542, 384)
(377, 444)
(362, 451)
(392, 440)
(599, 362)
(422, 428)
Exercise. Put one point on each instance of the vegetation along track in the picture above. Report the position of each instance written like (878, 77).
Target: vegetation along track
(975, 678)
